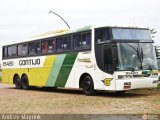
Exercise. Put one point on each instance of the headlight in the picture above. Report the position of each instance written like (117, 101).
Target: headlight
(124, 76)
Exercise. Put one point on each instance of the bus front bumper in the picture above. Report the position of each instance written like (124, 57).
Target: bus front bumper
(128, 84)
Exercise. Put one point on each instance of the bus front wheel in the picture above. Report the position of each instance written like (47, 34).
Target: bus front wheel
(88, 86)
(25, 82)
(17, 82)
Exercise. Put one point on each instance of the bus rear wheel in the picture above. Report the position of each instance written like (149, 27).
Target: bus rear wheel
(88, 86)
(17, 82)
(25, 82)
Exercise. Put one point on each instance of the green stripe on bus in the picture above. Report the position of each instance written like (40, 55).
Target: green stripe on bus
(55, 70)
(65, 70)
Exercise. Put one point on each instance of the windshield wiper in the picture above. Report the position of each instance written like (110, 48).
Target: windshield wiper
(142, 54)
(138, 54)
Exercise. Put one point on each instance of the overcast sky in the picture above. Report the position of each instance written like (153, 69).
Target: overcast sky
(21, 19)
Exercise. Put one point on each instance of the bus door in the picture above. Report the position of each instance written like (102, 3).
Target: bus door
(109, 61)
(108, 58)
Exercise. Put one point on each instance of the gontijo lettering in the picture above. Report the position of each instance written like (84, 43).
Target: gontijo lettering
(29, 62)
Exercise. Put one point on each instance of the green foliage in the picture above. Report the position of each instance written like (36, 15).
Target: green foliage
(157, 49)
(158, 86)
(153, 32)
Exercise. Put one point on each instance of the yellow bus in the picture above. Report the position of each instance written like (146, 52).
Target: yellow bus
(114, 58)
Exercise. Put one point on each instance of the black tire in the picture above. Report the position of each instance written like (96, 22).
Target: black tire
(120, 92)
(25, 82)
(17, 82)
(88, 86)
(49, 88)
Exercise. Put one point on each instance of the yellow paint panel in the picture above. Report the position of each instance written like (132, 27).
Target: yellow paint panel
(49, 61)
(8, 74)
(39, 76)
(36, 76)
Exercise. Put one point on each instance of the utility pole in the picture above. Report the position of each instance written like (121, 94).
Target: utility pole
(59, 17)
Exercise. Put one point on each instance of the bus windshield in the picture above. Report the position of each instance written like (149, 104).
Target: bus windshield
(130, 34)
(136, 56)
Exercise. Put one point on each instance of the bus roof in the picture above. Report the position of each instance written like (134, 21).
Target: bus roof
(70, 31)
(121, 26)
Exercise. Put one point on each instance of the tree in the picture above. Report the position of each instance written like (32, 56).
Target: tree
(153, 32)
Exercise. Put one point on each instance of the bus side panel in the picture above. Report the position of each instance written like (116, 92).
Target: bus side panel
(34, 76)
(85, 64)
(39, 76)
(61, 70)
(95, 75)
(5, 76)
(56, 66)
(8, 74)
(65, 70)
(55, 71)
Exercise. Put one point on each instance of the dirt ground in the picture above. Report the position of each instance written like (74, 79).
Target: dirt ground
(69, 101)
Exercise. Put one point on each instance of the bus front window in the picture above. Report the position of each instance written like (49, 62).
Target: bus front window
(149, 56)
(136, 56)
(130, 34)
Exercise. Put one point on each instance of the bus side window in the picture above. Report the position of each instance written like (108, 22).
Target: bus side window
(86, 41)
(37, 47)
(102, 35)
(25, 49)
(22, 50)
(31, 49)
(12, 51)
(67, 43)
(44, 47)
(77, 41)
(59, 44)
(34, 48)
(51, 44)
(4, 52)
(9, 51)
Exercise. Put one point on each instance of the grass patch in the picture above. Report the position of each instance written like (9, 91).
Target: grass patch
(157, 101)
